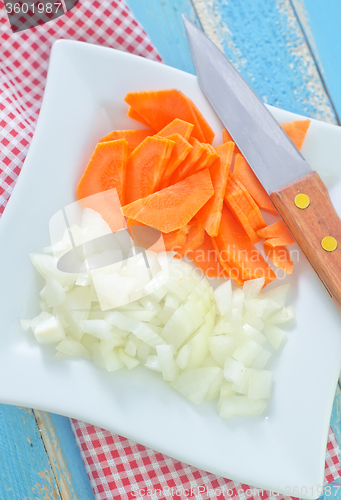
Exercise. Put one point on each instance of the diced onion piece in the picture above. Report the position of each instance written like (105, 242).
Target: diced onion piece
(48, 330)
(278, 295)
(223, 297)
(260, 384)
(110, 361)
(233, 370)
(143, 350)
(130, 348)
(247, 351)
(129, 361)
(84, 279)
(251, 288)
(54, 292)
(199, 347)
(182, 358)
(25, 324)
(182, 324)
(169, 368)
(214, 390)
(274, 335)
(46, 265)
(97, 327)
(221, 347)
(153, 363)
(282, 316)
(253, 334)
(194, 384)
(89, 342)
(73, 348)
(240, 405)
(261, 359)
(242, 386)
(139, 329)
(226, 390)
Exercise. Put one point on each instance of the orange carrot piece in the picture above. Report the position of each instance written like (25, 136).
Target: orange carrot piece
(232, 203)
(210, 214)
(205, 257)
(251, 208)
(177, 126)
(194, 238)
(243, 172)
(106, 170)
(227, 138)
(133, 137)
(136, 116)
(145, 167)
(237, 254)
(296, 130)
(160, 107)
(280, 256)
(206, 129)
(173, 207)
(206, 160)
(175, 240)
(181, 150)
(185, 168)
(277, 234)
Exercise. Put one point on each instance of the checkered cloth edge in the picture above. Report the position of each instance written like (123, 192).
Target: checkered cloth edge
(117, 468)
(121, 469)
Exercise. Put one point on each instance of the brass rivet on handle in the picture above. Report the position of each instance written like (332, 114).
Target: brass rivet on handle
(302, 201)
(329, 243)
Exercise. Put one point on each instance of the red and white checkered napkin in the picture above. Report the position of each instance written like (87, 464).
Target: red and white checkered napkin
(117, 467)
(120, 469)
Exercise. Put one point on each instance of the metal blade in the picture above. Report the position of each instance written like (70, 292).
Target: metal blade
(273, 157)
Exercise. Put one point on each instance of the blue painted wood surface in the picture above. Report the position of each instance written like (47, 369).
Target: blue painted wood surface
(296, 41)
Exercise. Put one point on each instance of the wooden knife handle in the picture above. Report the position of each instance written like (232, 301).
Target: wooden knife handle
(312, 225)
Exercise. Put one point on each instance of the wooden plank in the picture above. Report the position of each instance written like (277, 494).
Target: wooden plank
(321, 23)
(162, 21)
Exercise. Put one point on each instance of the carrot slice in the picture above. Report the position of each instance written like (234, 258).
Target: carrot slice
(106, 170)
(136, 116)
(173, 207)
(180, 151)
(194, 238)
(177, 126)
(280, 256)
(231, 201)
(207, 131)
(206, 160)
(205, 257)
(175, 240)
(277, 234)
(185, 168)
(160, 107)
(210, 214)
(296, 130)
(251, 208)
(145, 167)
(237, 254)
(133, 137)
(243, 172)
(227, 138)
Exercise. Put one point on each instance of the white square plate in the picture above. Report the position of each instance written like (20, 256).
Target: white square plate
(281, 450)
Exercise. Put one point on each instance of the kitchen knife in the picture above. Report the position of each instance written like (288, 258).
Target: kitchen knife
(296, 191)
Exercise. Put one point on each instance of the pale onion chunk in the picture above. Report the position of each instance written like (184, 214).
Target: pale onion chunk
(183, 356)
(25, 324)
(143, 350)
(278, 295)
(240, 405)
(252, 288)
(274, 335)
(247, 351)
(214, 390)
(138, 328)
(260, 384)
(89, 342)
(83, 279)
(194, 384)
(153, 363)
(226, 390)
(97, 327)
(129, 361)
(221, 347)
(73, 348)
(75, 308)
(199, 347)
(242, 386)
(261, 359)
(282, 316)
(223, 297)
(169, 369)
(253, 334)
(46, 265)
(181, 325)
(43, 306)
(257, 306)
(130, 348)
(252, 320)
(48, 329)
(233, 370)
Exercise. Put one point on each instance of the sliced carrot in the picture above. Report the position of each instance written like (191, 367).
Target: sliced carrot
(181, 150)
(296, 130)
(160, 107)
(194, 238)
(207, 131)
(280, 256)
(210, 214)
(232, 203)
(237, 254)
(277, 234)
(173, 207)
(145, 167)
(185, 168)
(227, 138)
(136, 116)
(251, 208)
(206, 160)
(243, 172)
(175, 240)
(205, 257)
(133, 137)
(106, 170)
(108, 205)
(177, 126)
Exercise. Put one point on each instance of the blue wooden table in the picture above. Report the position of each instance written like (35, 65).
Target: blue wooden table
(290, 53)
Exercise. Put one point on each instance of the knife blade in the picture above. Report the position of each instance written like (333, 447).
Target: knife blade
(296, 191)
